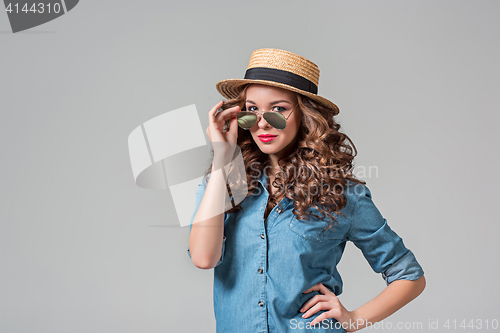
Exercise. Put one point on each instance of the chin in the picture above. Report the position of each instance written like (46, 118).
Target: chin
(269, 148)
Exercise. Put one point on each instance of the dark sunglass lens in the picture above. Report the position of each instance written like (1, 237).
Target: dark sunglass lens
(246, 119)
(275, 119)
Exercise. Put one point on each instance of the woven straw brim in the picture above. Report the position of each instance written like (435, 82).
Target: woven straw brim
(232, 87)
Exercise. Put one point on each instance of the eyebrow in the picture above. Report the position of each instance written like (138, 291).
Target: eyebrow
(275, 102)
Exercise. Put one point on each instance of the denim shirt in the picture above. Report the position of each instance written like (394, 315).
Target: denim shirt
(266, 265)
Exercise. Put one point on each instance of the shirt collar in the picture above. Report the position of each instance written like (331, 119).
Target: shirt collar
(263, 180)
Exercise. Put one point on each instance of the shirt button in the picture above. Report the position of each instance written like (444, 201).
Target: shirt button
(278, 210)
(262, 236)
(260, 270)
(261, 303)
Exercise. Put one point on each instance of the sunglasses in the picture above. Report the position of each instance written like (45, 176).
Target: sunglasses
(247, 119)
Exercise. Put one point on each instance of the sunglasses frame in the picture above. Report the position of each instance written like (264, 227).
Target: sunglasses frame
(263, 114)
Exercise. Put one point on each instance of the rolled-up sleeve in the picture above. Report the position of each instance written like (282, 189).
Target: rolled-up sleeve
(199, 195)
(381, 246)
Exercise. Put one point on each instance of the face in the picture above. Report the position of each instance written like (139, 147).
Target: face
(266, 98)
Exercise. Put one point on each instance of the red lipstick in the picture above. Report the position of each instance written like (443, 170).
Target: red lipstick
(267, 137)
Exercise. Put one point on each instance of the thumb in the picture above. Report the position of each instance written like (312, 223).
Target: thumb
(233, 127)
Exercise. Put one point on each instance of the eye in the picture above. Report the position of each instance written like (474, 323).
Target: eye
(251, 108)
(279, 109)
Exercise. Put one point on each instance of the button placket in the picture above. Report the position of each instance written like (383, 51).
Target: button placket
(261, 266)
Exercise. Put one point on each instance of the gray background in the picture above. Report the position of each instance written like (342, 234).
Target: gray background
(83, 249)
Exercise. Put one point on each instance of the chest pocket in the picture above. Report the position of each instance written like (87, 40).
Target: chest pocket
(313, 229)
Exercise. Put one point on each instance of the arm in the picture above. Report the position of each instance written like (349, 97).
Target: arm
(396, 295)
(206, 241)
(207, 229)
(386, 253)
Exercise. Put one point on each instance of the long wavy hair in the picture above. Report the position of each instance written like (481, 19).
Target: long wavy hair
(315, 174)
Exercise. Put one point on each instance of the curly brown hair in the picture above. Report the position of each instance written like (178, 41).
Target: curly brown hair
(323, 155)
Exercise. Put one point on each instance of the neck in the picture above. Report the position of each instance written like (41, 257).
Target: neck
(273, 162)
(274, 158)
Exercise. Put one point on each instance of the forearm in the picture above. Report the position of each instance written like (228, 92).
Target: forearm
(396, 295)
(207, 232)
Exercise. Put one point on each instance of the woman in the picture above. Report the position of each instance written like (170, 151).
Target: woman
(275, 253)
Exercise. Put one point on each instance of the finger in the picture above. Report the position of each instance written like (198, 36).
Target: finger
(224, 115)
(233, 127)
(215, 108)
(315, 287)
(320, 318)
(218, 121)
(316, 308)
(211, 113)
(312, 301)
(324, 290)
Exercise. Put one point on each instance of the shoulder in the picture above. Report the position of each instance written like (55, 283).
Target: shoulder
(355, 191)
(360, 205)
(365, 217)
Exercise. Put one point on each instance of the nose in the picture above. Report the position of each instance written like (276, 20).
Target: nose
(262, 123)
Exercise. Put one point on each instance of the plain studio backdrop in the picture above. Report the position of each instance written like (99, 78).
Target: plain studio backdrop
(84, 249)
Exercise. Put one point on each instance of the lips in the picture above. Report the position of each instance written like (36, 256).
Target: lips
(267, 137)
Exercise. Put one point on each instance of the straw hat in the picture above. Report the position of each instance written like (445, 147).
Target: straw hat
(281, 69)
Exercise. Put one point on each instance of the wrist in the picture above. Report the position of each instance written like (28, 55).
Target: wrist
(357, 322)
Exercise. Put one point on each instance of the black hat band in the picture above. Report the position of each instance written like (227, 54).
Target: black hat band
(281, 76)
